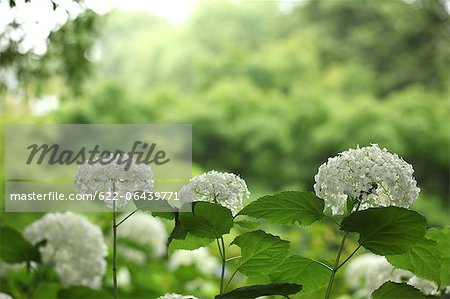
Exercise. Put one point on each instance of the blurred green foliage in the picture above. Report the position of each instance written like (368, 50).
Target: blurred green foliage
(271, 94)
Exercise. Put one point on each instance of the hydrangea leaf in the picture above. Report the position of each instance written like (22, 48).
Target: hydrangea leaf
(397, 290)
(442, 238)
(286, 208)
(386, 231)
(256, 291)
(261, 252)
(423, 259)
(207, 220)
(297, 269)
(190, 242)
(247, 224)
(15, 249)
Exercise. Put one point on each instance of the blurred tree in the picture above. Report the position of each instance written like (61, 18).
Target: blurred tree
(44, 41)
(402, 42)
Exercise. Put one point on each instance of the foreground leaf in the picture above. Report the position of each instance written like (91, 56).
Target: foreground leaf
(423, 259)
(207, 220)
(397, 290)
(296, 269)
(256, 291)
(190, 242)
(15, 249)
(286, 208)
(442, 238)
(386, 231)
(261, 252)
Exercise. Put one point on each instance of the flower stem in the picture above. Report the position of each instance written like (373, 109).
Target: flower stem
(222, 276)
(335, 267)
(128, 216)
(338, 256)
(116, 290)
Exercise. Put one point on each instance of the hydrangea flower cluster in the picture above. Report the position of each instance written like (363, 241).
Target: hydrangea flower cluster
(371, 175)
(74, 247)
(176, 296)
(368, 272)
(146, 230)
(200, 258)
(226, 189)
(114, 176)
(5, 296)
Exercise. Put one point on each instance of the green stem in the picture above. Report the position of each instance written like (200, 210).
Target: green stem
(128, 216)
(323, 264)
(338, 256)
(335, 267)
(349, 257)
(116, 289)
(222, 276)
(231, 278)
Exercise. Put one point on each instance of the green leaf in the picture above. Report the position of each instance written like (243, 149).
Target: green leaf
(190, 242)
(442, 238)
(386, 231)
(297, 269)
(247, 224)
(256, 291)
(261, 252)
(423, 259)
(397, 290)
(15, 249)
(207, 220)
(179, 231)
(286, 208)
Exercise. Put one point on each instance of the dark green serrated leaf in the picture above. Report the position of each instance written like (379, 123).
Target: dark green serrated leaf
(423, 259)
(14, 248)
(256, 291)
(397, 290)
(179, 231)
(247, 224)
(190, 242)
(207, 220)
(386, 231)
(286, 208)
(296, 269)
(442, 238)
(261, 252)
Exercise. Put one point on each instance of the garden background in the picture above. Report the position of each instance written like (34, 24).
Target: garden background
(272, 89)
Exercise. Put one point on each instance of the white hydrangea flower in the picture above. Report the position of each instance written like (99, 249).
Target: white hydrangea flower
(74, 247)
(176, 296)
(368, 272)
(131, 254)
(147, 230)
(5, 296)
(226, 189)
(425, 286)
(373, 176)
(200, 258)
(123, 277)
(114, 176)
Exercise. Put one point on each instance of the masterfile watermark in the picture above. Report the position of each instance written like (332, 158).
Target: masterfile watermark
(41, 162)
(140, 153)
